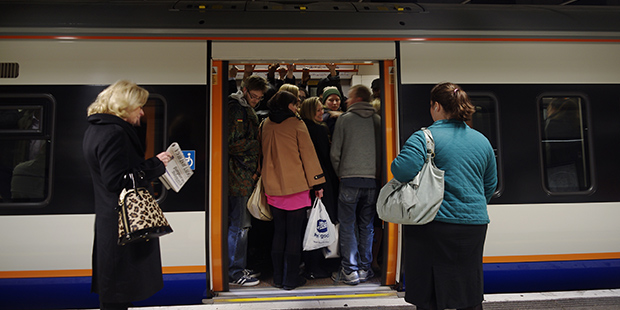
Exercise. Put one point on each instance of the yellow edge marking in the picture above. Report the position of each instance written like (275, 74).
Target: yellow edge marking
(304, 297)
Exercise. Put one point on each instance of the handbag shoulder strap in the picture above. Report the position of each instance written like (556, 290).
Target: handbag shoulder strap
(430, 143)
(132, 178)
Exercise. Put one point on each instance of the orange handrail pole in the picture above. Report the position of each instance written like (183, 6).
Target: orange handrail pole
(215, 205)
(390, 146)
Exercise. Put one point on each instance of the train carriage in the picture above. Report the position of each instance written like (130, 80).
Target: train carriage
(514, 61)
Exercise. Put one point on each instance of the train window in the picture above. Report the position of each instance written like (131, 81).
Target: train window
(20, 119)
(485, 120)
(153, 131)
(564, 144)
(25, 149)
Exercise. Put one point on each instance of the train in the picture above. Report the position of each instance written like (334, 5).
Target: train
(553, 227)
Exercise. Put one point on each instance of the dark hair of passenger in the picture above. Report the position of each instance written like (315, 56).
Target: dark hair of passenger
(255, 82)
(362, 91)
(281, 100)
(454, 101)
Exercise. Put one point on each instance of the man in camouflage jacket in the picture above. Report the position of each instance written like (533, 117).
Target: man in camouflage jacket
(243, 156)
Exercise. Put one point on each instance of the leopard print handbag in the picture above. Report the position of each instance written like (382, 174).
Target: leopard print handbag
(139, 215)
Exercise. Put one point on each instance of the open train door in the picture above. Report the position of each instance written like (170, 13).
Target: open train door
(380, 57)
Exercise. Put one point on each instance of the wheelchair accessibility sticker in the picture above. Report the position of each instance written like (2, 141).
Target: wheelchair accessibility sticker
(190, 157)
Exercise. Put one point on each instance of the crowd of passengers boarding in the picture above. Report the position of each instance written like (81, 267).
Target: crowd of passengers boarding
(329, 147)
(299, 157)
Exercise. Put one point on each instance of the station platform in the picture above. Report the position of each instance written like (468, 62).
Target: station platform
(379, 298)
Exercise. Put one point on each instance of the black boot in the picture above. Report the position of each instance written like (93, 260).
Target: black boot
(291, 278)
(277, 259)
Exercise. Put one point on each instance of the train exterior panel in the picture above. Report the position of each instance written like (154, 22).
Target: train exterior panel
(539, 239)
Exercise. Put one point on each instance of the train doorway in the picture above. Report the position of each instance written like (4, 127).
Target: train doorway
(227, 74)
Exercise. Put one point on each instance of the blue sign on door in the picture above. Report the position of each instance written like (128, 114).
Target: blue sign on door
(190, 156)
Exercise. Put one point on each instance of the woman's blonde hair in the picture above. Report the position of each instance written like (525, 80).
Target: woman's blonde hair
(308, 108)
(119, 99)
(290, 88)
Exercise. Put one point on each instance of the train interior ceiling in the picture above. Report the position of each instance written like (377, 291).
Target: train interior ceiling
(350, 73)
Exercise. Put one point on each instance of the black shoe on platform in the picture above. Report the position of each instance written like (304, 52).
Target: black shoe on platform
(301, 282)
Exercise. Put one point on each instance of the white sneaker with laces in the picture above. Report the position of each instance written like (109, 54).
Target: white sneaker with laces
(251, 273)
(365, 275)
(350, 279)
(245, 281)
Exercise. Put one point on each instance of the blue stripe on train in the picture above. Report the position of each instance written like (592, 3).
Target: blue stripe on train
(74, 292)
(551, 276)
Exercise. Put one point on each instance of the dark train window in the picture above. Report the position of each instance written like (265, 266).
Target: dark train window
(153, 131)
(485, 120)
(26, 124)
(564, 144)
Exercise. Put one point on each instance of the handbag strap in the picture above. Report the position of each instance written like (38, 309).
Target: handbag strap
(133, 181)
(430, 143)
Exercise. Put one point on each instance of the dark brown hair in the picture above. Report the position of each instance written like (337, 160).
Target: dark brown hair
(454, 100)
(281, 100)
(255, 82)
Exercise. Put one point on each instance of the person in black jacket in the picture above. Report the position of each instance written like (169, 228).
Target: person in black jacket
(311, 111)
(121, 273)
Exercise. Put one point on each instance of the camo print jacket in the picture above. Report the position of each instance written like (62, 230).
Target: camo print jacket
(243, 146)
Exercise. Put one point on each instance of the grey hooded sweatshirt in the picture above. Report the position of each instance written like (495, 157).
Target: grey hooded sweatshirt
(354, 150)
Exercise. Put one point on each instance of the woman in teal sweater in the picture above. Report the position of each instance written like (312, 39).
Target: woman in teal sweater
(443, 262)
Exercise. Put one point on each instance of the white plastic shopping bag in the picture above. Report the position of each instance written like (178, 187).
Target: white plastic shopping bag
(333, 250)
(320, 231)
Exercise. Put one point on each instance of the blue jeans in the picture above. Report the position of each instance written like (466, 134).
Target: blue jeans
(356, 212)
(239, 223)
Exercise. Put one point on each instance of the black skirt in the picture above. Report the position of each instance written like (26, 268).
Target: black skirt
(443, 265)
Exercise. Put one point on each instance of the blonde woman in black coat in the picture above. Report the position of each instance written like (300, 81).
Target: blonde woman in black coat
(131, 272)
(311, 112)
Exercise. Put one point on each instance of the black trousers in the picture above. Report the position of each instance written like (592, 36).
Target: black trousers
(287, 245)
(443, 265)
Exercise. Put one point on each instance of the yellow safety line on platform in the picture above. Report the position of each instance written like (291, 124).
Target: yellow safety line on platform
(313, 297)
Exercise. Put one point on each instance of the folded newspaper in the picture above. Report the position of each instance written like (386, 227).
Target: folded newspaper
(178, 170)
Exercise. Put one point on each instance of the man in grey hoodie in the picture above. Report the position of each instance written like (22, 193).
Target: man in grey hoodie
(354, 155)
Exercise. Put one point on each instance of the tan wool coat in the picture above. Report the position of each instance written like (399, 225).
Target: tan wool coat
(290, 164)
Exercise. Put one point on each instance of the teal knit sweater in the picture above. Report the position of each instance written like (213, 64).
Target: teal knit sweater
(469, 162)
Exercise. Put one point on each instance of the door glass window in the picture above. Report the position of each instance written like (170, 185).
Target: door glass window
(564, 144)
(25, 149)
(485, 120)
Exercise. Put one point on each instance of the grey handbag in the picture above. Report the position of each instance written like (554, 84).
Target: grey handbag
(417, 201)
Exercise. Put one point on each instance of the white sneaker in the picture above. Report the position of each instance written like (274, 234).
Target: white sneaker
(251, 273)
(341, 276)
(365, 275)
(245, 281)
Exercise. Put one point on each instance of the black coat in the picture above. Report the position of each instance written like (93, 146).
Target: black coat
(120, 273)
(320, 138)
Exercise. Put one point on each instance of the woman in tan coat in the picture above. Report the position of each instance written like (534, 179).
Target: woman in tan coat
(290, 169)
